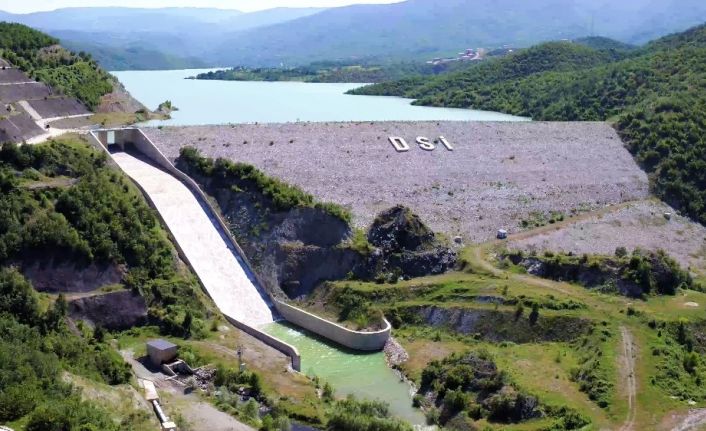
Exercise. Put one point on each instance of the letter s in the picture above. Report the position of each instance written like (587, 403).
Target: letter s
(425, 144)
(399, 143)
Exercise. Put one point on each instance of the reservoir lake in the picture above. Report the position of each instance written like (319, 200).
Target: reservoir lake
(223, 102)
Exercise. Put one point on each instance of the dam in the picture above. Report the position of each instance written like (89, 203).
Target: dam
(204, 242)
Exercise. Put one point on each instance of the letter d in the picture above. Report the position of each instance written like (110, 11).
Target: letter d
(399, 143)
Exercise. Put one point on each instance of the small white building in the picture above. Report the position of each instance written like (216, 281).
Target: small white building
(502, 234)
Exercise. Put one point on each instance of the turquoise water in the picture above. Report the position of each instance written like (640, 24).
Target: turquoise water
(366, 375)
(221, 102)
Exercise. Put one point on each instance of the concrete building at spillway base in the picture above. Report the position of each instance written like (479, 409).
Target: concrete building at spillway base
(161, 351)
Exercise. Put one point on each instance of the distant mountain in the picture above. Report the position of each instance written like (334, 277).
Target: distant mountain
(427, 28)
(385, 33)
(125, 20)
(135, 57)
(150, 38)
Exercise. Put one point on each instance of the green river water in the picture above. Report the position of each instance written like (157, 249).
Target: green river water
(365, 375)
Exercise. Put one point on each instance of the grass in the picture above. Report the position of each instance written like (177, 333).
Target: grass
(534, 367)
(294, 392)
(544, 368)
(121, 401)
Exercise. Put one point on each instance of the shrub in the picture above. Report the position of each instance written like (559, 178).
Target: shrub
(283, 196)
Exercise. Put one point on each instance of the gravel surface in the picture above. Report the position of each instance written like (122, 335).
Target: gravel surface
(13, 75)
(16, 92)
(640, 224)
(18, 127)
(497, 175)
(59, 107)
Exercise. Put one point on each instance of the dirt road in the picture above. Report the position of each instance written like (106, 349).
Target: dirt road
(627, 360)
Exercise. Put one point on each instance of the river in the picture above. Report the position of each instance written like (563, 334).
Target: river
(365, 375)
(222, 102)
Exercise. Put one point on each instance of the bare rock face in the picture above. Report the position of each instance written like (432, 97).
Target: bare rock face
(120, 100)
(66, 277)
(407, 246)
(113, 311)
(398, 230)
(498, 326)
(294, 250)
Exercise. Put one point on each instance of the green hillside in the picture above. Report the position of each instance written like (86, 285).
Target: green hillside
(656, 97)
(49, 212)
(599, 42)
(550, 56)
(40, 56)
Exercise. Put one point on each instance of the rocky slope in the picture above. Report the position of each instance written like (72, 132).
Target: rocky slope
(296, 246)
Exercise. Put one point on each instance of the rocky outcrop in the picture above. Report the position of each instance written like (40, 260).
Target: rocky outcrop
(498, 326)
(407, 244)
(114, 311)
(636, 275)
(120, 100)
(57, 276)
(293, 250)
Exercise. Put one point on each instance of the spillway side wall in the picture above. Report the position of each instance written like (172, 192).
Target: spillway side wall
(356, 340)
(135, 138)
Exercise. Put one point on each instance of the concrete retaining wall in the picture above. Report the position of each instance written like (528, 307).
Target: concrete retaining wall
(356, 340)
(136, 138)
(271, 341)
(367, 341)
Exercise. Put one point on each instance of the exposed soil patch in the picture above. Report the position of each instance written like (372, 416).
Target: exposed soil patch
(641, 224)
(49, 276)
(498, 174)
(113, 311)
(120, 100)
(629, 380)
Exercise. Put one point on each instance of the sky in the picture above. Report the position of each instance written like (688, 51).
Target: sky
(25, 6)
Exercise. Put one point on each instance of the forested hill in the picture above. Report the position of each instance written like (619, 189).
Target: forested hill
(656, 98)
(75, 75)
(550, 56)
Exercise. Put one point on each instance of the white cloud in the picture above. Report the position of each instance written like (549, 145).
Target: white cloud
(25, 6)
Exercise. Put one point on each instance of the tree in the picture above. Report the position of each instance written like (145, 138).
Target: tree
(519, 309)
(534, 315)
(17, 297)
(186, 324)
(255, 384)
(98, 334)
(54, 317)
(250, 410)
